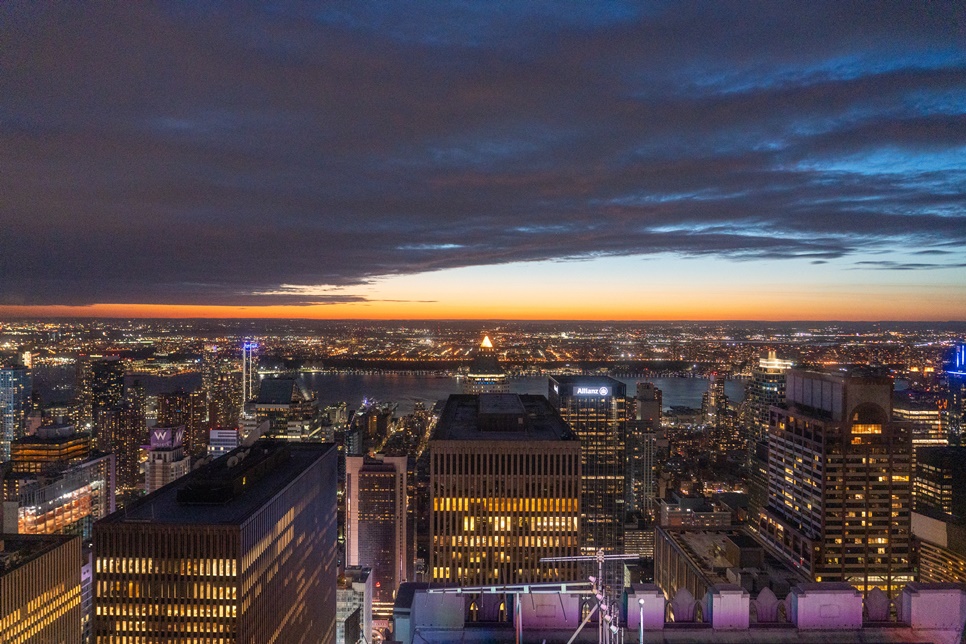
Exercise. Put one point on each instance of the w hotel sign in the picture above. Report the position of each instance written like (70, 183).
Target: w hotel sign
(167, 437)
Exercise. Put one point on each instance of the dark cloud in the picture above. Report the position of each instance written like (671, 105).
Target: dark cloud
(209, 153)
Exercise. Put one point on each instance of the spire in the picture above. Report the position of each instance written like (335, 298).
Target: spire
(486, 344)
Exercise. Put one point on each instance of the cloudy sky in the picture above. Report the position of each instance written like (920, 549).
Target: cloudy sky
(484, 159)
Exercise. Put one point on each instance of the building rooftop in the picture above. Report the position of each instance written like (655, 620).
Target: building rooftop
(708, 550)
(227, 490)
(501, 417)
(19, 549)
(280, 391)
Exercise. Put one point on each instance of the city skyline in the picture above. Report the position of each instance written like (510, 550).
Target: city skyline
(612, 161)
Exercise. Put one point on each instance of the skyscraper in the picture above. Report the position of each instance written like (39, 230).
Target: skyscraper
(181, 408)
(839, 480)
(289, 407)
(15, 389)
(504, 491)
(956, 406)
(57, 485)
(767, 388)
(595, 407)
(644, 434)
(106, 385)
(241, 550)
(376, 522)
(486, 376)
(249, 371)
(133, 435)
(40, 589)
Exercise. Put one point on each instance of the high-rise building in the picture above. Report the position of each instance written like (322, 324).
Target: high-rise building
(40, 589)
(289, 407)
(714, 401)
(127, 445)
(182, 408)
(82, 406)
(167, 461)
(249, 371)
(940, 480)
(222, 441)
(66, 497)
(242, 549)
(221, 383)
(839, 480)
(595, 407)
(504, 491)
(956, 403)
(939, 519)
(354, 606)
(106, 384)
(376, 524)
(15, 389)
(49, 445)
(644, 439)
(766, 388)
(486, 376)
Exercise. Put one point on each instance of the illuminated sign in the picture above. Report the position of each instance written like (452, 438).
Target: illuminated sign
(166, 437)
(591, 391)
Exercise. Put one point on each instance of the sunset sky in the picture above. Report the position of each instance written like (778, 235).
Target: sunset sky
(517, 160)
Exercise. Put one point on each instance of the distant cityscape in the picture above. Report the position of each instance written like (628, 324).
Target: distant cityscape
(257, 481)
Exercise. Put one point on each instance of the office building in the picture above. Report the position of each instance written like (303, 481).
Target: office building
(40, 589)
(767, 388)
(222, 441)
(353, 598)
(645, 439)
(504, 491)
(839, 480)
(289, 407)
(940, 480)
(595, 408)
(376, 524)
(49, 445)
(939, 519)
(15, 389)
(189, 410)
(242, 549)
(956, 400)
(486, 376)
(167, 461)
(61, 497)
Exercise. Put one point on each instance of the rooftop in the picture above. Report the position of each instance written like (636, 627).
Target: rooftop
(227, 490)
(465, 417)
(19, 549)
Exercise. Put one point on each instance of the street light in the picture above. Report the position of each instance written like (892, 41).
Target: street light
(640, 624)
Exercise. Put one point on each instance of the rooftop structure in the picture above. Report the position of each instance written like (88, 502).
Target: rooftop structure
(485, 375)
